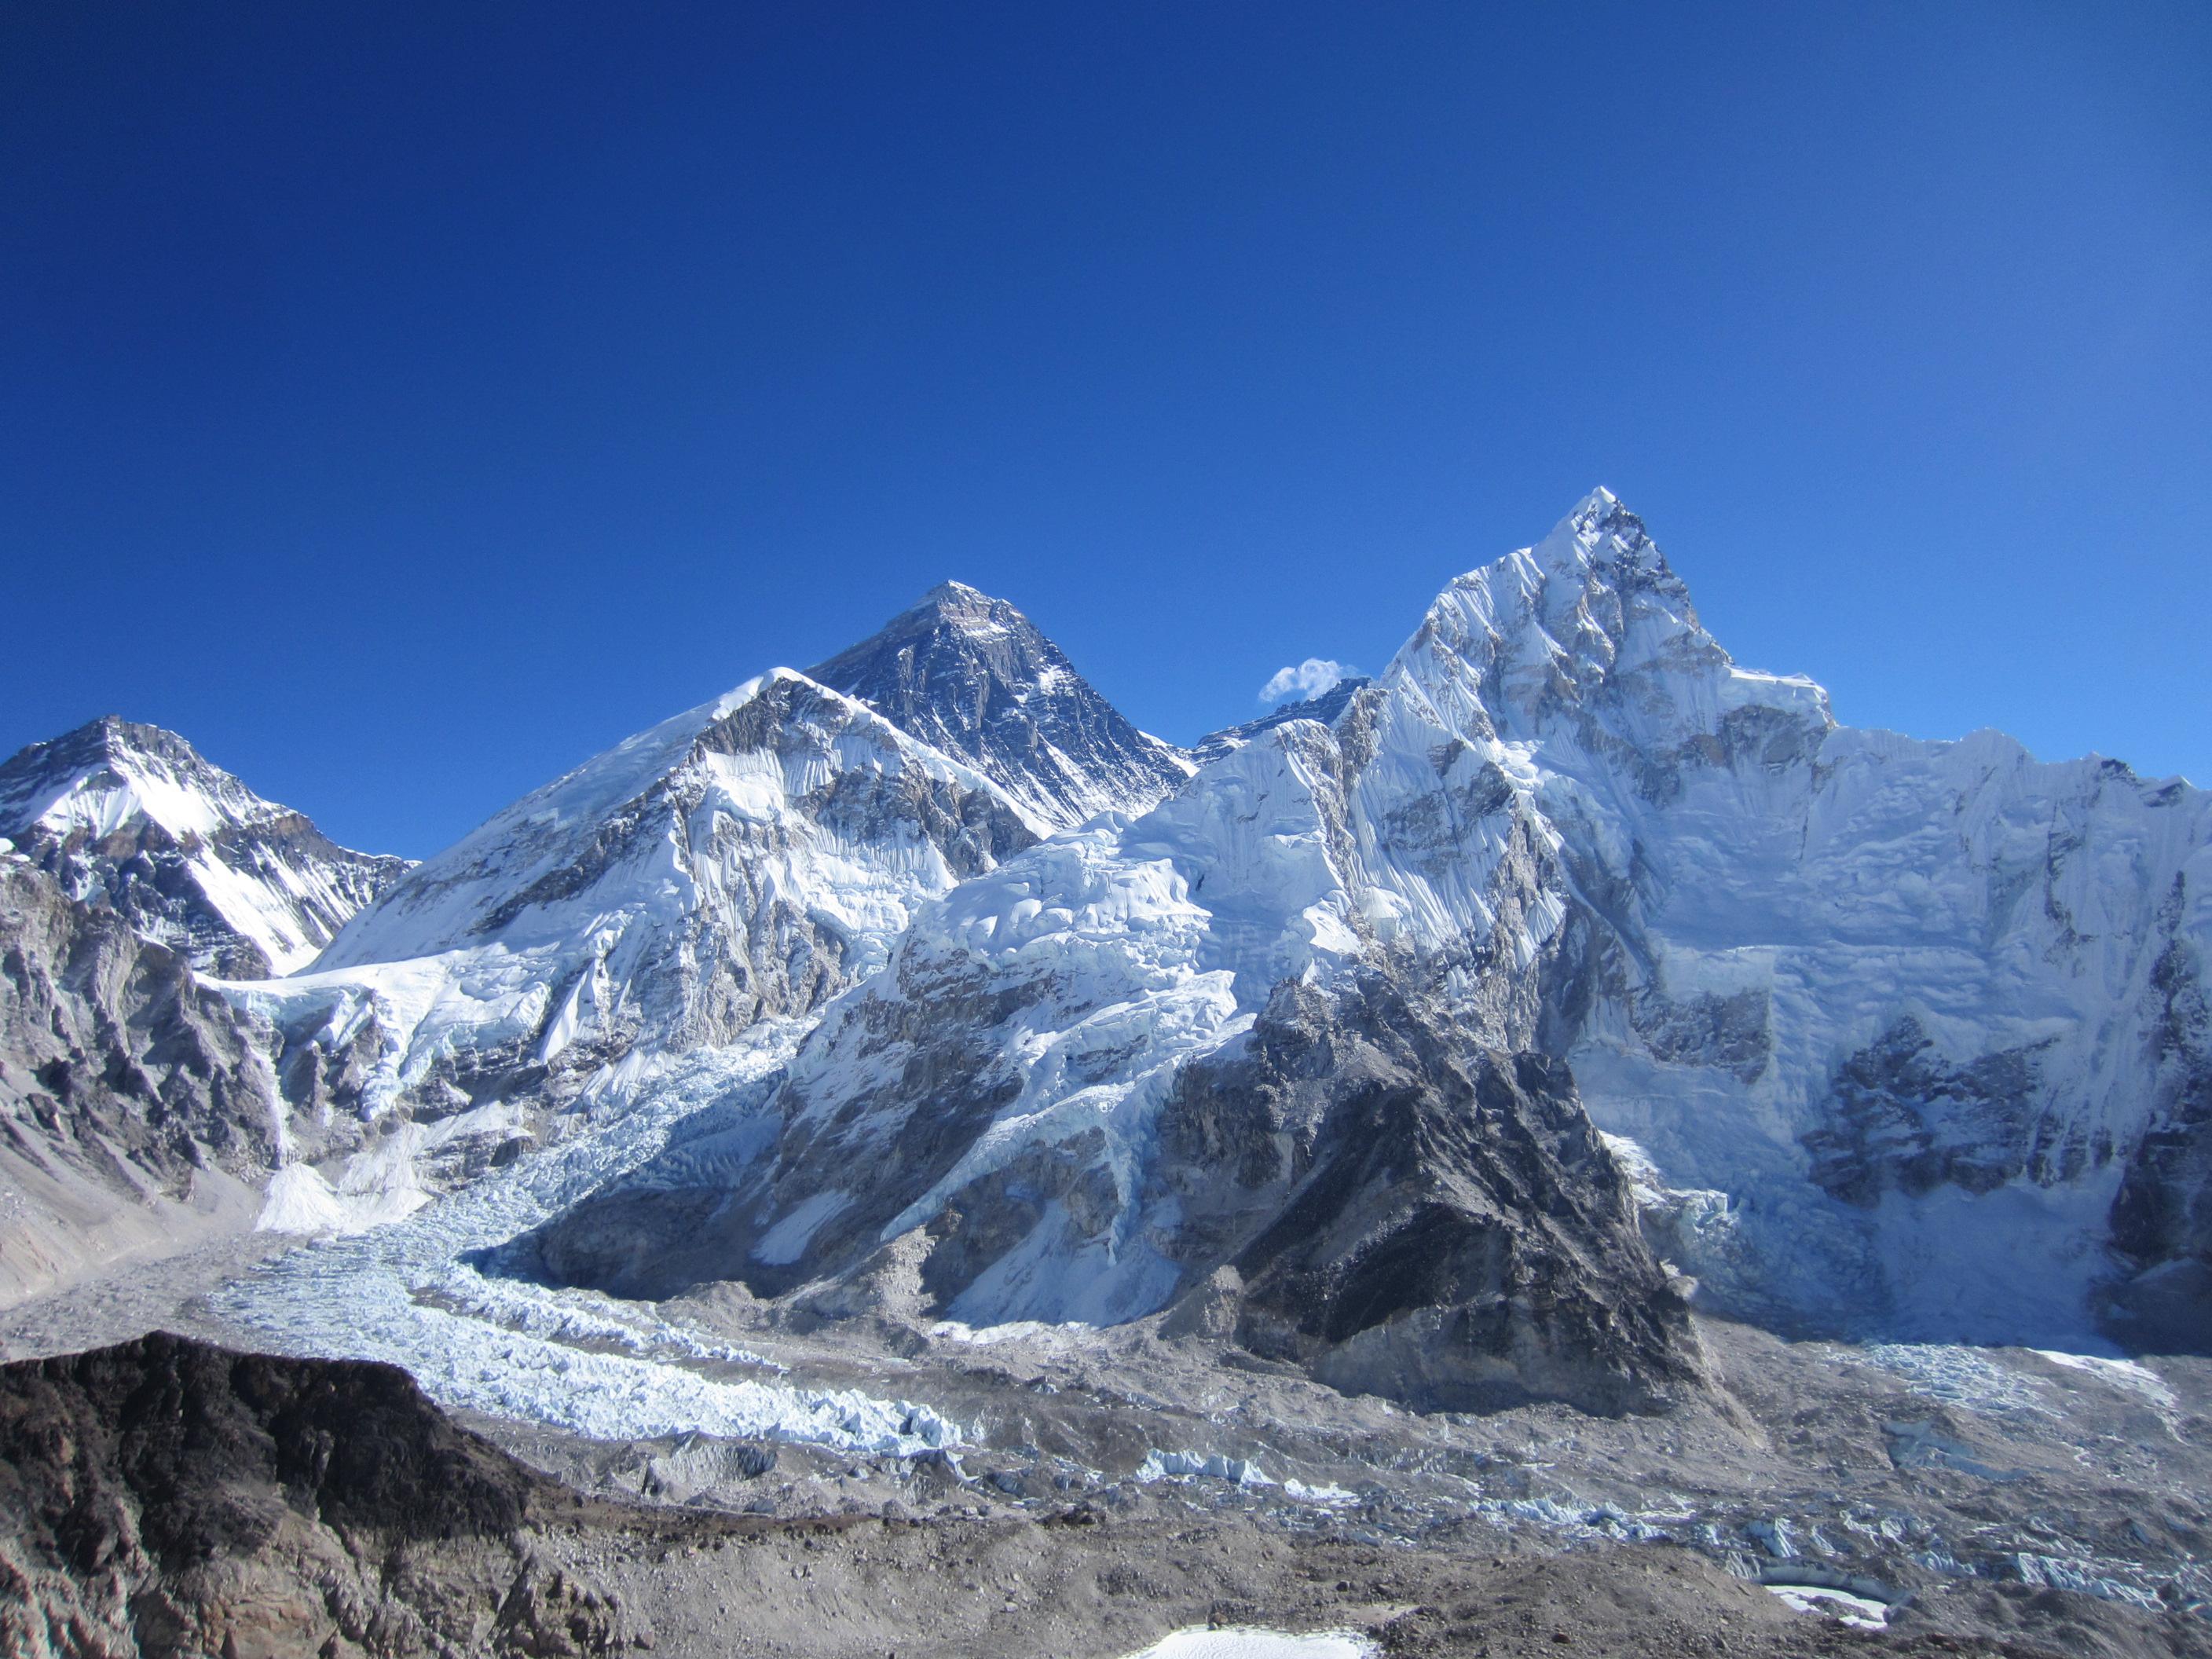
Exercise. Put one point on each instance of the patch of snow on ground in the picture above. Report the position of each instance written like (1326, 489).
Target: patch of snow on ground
(1237, 1642)
(1052, 1338)
(1162, 1465)
(1861, 1612)
(298, 1201)
(2134, 1378)
(1331, 1494)
(417, 1293)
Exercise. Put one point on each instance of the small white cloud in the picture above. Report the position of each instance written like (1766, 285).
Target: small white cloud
(1309, 679)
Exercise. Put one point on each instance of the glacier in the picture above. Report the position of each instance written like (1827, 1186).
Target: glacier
(411, 1293)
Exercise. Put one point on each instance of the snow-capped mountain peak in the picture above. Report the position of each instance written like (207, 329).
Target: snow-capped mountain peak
(1912, 1035)
(733, 867)
(974, 678)
(736, 865)
(1587, 642)
(132, 816)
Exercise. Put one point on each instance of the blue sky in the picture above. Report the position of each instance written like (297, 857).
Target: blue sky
(405, 401)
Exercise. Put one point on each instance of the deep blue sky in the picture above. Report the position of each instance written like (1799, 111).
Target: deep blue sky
(405, 401)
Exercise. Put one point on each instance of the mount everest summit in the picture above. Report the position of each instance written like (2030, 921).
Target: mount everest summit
(1445, 1039)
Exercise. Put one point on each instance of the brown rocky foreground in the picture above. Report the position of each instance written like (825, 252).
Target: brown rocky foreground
(167, 1496)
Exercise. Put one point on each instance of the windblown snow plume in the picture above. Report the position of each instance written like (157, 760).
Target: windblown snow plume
(1314, 677)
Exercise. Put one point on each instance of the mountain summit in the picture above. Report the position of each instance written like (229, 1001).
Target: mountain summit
(132, 816)
(975, 679)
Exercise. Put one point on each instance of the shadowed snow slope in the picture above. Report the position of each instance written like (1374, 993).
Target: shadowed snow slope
(132, 817)
(1896, 1035)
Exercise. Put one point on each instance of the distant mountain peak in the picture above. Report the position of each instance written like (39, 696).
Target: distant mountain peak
(133, 816)
(108, 737)
(1600, 531)
(956, 593)
(971, 676)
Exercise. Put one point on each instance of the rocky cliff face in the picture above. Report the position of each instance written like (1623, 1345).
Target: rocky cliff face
(132, 818)
(972, 677)
(164, 1497)
(2162, 1220)
(1404, 1214)
(135, 1112)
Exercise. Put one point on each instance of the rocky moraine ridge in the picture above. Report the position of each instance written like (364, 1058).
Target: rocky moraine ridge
(1473, 1037)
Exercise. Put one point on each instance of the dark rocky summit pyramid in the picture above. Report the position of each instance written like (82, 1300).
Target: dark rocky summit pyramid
(973, 677)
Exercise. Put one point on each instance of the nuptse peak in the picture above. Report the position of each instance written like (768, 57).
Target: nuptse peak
(1871, 1022)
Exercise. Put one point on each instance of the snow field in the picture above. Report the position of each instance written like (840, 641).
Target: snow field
(1235, 1643)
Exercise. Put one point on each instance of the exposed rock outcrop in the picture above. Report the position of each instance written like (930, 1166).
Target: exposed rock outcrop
(1413, 1217)
(164, 1497)
(2162, 1219)
(1353, 1187)
(136, 1114)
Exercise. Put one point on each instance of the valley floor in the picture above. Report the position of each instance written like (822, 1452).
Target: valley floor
(1095, 1489)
